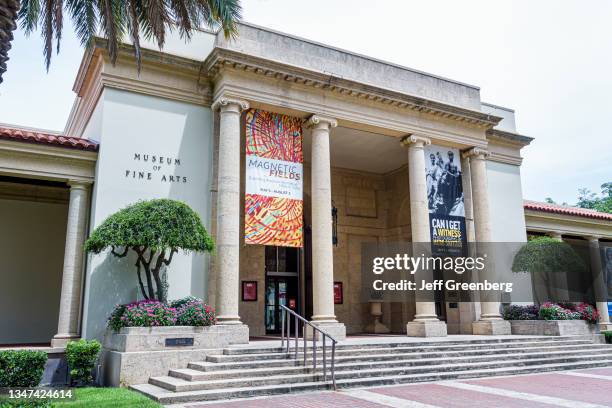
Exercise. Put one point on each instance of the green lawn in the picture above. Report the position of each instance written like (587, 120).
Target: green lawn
(107, 397)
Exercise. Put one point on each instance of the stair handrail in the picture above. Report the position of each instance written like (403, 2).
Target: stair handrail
(285, 311)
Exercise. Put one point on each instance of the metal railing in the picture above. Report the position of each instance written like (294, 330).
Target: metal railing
(286, 314)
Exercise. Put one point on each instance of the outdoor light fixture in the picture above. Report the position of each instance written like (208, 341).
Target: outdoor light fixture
(334, 225)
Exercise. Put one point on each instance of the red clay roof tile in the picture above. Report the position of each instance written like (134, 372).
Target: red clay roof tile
(40, 137)
(565, 209)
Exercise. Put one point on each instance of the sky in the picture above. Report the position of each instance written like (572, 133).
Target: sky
(549, 60)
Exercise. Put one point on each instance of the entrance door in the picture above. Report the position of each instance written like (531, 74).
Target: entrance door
(279, 291)
(282, 285)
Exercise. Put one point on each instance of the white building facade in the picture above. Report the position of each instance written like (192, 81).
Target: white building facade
(176, 130)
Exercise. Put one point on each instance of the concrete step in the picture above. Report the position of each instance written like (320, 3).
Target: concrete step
(408, 348)
(391, 354)
(433, 366)
(254, 349)
(427, 345)
(190, 374)
(165, 396)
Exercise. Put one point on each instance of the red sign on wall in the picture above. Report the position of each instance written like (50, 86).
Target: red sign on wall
(338, 297)
(249, 291)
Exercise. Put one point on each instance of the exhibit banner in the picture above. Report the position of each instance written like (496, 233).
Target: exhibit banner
(274, 180)
(445, 200)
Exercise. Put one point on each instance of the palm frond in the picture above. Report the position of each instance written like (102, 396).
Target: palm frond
(28, 15)
(227, 13)
(115, 18)
(84, 15)
(47, 31)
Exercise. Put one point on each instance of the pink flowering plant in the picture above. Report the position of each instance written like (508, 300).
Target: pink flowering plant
(195, 313)
(188, 311)
(588, 313)
(146, 313)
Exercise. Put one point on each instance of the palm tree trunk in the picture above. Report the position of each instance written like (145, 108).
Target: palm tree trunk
(8, 23)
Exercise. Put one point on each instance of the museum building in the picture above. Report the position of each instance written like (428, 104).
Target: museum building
(365, 139)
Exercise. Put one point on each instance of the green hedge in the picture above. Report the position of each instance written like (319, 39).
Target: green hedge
(21, 368)
(81, 357)
(608, 335)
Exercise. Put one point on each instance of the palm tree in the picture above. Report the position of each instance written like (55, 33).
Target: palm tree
(8, 19)
(116, 18)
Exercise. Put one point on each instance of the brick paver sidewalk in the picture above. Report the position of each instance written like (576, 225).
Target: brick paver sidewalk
(572, 389)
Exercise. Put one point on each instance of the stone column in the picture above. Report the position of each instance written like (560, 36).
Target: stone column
(599, 283)
(227, 261)
(72, 276)
(322, 245)
(491, 321)
(469, 312)
(426, 322)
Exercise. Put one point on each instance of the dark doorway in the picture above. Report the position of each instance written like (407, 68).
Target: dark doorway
(282, 285)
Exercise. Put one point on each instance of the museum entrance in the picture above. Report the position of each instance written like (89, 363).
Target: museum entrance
(282, 285)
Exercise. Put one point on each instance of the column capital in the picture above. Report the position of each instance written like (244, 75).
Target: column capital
(476, 152)
(78, 184)
(593, 238)
(225, 103)
(556, 235)
(320, 120)
(419, 141)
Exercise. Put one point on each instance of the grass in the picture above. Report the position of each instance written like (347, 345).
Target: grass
(107, 397)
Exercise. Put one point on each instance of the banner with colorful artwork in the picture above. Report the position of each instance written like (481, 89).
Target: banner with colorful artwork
(445, 200)
(274, 180)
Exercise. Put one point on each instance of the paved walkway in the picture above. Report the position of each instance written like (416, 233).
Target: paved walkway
(590, 388)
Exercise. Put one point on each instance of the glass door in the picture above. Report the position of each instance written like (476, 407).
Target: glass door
(282, 265)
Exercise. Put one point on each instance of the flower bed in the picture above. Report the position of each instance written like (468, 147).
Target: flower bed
(552, 319)
(189, 311)
(552, 311)
(176, 332)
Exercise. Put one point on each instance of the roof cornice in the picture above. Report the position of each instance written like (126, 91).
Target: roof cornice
(509, 137)
(221, 58)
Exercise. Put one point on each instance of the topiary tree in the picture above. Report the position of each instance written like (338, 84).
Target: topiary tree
(154, 230)
(546, 256)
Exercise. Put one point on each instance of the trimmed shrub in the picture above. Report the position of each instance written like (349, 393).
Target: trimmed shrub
(516, 312)
(82, 356)
(154, 230)
(195, 313)
(146, 313)
(21, 368)
(608, 335)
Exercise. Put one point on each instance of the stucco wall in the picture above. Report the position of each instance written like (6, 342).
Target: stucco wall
(506, 202)
(132, 127)
(32, 240)
(507, 226)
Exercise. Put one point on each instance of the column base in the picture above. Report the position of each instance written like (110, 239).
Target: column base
(60, 340)
(335, 329)
(605, 326)
(227, 320)
(235, 333)
(426, 328)
(491, 327)
(377, 327)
